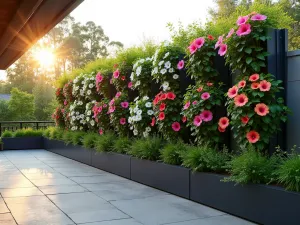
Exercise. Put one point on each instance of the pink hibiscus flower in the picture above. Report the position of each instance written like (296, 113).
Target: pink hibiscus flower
(205, 96)
(243, 30)
(124, 105)
(206, 115)
(176, 126)
(180, 64)
(242, 20)
(258, 17)
(222, 50)
(197, 121)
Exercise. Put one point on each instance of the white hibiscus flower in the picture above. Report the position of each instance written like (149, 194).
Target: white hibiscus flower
(160, 63)
(139, 112)
(138, 117)
(165, 85)
(87, 119)
(138, 70)
(175, 76)
(150, 112)
(91, 85)
(163, 71)
(148, 129)
(148, 104)
(168, 65)
(135, 132)
(92, 122)
(145, 134)
(142, 60)
(132, 76)
(137, 83)
(145, 98)
(171, 70)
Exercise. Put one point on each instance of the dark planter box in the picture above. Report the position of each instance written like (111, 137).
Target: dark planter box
(269, 205)
(18, 143)
(169, 178)
(118, 164)
(70, 151)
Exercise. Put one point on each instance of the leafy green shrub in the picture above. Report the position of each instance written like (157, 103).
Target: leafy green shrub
(77, 137)
(251, 167)
(105, 143)
(147, 148)
(67, 137)
(56, 133)
(19, 133)
(7, 133)
(172, 153)
(89, 140)
(122, 145)
(288, 172)
(206, 159)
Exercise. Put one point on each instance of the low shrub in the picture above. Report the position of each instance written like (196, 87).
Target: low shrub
(56, 133)
(77, 137)
(288, 172)
(105, 143)
(67, 137)
(47, 131)
(251, 167)
(206, 159)
(89, 140)
(147, 148)
(7, 134)
(172, 153)
(122, 145)
(19, 133)
(28, 133)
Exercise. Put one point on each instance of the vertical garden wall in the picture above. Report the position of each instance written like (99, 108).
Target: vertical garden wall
(176, 94)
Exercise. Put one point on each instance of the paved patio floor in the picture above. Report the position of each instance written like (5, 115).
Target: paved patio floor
(38, 187)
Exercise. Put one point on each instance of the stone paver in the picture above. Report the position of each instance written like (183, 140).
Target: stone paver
(38, 187)
(7, 219)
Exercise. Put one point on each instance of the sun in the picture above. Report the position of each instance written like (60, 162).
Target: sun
(45, 57)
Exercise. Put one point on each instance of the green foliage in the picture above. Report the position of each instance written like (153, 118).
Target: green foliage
(77, 137)
(21, 105)
(67, 137)
(172, 152)
(122, 145)
(5, 114)
(105, 142)
(7, 133)
(251, 167)
(47, 132)
(43, 94)
(206, 159)
(56, 133)
(223, 20)
(208, 131)
(288, 172)
(89, 140)
(147, 148)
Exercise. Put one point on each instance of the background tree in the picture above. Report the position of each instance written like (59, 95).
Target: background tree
(43, 94)
(5, 114)
(21, 105)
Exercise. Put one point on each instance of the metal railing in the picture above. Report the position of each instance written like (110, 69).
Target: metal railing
(15, 125)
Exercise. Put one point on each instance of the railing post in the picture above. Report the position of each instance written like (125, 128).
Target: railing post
(21, 125)
(37, 125)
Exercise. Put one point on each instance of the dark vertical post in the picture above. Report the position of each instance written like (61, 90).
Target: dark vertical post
(37, 125)
(226, 79)
(21, 125)
(277, 65)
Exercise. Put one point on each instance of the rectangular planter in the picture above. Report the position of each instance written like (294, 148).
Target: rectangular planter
(118, 164)
(269, 205)
(169, 178)
(18, 143)
(70, 151)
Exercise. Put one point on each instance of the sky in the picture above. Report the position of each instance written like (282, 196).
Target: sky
(133, 21)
